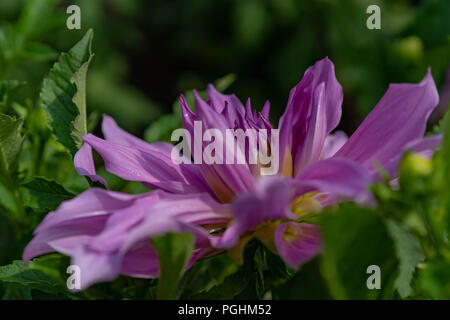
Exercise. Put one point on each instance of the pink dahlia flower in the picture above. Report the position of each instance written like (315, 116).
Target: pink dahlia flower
(225, 205)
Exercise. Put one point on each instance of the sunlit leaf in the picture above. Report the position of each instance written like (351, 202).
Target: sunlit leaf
(59, 91)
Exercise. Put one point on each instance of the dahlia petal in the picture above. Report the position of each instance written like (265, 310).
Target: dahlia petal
(152, 169)
(195, 209)
(266, 110)
(399, 118)
(95, 266)
(64, 237)
(121, 221)
(225, 180)
(154, 152)
(270, 201)
(141, 262)
(220, 100)
(312, 112)
(112, 132)
(425, 146)
(84, 164)
(311, 148)
(76, 220)
(338, 178)
(333, 143)
(107, 233)
(297, 243)
(135, 256)
(92, 202)
(161, 150)
(99, 264)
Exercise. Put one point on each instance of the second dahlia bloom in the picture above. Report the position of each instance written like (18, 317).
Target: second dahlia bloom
(225, 205)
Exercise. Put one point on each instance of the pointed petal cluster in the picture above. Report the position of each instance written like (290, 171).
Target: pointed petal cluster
(222, 112)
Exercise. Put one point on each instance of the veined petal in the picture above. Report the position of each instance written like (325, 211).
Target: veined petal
(225, 179)
(312, 112)
(160, 150)
(92, 202)
(76, 220)
(311, 147)
(136, 165)
(399, 118)
(297, 243)
(191, 209)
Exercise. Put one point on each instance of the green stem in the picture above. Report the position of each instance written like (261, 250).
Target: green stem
(19, 216)
(431, 232)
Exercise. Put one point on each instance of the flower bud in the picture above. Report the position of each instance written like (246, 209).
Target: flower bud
(413, 169)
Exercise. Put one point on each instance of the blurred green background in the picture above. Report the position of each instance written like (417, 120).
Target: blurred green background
(148, 51)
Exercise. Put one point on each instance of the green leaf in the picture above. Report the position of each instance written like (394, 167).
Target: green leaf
(16, 291)
(26, 275)
(44, 195)
(54, 265)
(207, 274)
(434, 280)
(409, 254)
(174, 251)
(80, 122)
(355, 238)
(50, 278)
(65, 116)
(307, 283)
(228, 289)
(10, 144)
(254, 265)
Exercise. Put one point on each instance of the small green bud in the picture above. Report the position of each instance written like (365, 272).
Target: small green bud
(416, 165)
(414, 168)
